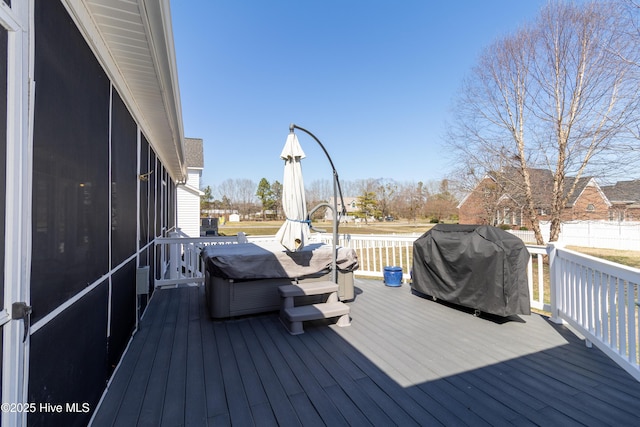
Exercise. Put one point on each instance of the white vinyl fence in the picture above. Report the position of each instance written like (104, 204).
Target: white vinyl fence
(592, 234)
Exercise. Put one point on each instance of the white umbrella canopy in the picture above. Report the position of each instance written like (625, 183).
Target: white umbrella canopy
(294, 233)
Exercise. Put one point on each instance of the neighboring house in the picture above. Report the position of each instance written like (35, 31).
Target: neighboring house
(351, 205)
(189, 193)
(499, 199)
(91, 146)
(625, 200)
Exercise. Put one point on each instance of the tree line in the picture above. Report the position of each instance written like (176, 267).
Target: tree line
(375, 198)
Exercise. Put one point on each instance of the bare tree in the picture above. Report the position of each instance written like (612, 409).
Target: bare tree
(386, 191)
(631, 9)
(554, 95)
(239, 194)
(228, 190)
(440, 204)
(410, 200)
(320, 190)
(247, 196)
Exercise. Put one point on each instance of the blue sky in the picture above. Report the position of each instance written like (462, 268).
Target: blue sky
(375, 81)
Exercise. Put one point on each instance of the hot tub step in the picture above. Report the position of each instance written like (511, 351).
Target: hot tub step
(294, 316)
(308, 288)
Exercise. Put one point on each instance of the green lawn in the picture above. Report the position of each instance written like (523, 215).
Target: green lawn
(628, 258)
(269, 228)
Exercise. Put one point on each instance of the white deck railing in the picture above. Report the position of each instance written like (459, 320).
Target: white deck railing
(596, 297)
(600, 300)
(376, 251)
(180, 261)
(181, 257)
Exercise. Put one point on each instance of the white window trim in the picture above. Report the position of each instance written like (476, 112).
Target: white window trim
(18, 20)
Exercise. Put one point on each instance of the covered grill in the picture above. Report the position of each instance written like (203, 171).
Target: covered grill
(475, 266)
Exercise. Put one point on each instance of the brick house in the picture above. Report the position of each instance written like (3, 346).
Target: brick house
(625, 200)
(499, 199)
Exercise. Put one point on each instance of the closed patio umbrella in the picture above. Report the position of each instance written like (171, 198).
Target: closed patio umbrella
(294, 233)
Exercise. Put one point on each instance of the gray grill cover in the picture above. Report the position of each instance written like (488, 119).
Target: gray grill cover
(475, 266)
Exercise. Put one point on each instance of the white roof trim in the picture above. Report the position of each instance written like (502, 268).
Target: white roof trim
(133, 40)
(191, 190)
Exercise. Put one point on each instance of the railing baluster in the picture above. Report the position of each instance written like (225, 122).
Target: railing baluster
(541, 280)
(631, 322)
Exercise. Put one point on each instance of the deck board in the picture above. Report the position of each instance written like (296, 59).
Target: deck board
(174, 405)
(405, 360)
(195, 394)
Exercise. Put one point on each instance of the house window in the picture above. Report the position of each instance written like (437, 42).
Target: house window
(591, 207)
(507, 216)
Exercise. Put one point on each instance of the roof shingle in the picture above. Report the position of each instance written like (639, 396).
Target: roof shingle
(194, 152)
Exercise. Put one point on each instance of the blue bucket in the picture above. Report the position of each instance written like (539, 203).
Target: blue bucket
(393, 276)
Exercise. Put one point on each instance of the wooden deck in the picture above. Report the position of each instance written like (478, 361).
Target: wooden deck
(404, 360)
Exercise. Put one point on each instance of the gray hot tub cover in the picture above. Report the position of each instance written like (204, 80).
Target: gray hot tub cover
(269, 260)
(475, 266)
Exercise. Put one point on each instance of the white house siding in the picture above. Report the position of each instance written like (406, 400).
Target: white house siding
(193, 179)
(188, 196)
(189, 210)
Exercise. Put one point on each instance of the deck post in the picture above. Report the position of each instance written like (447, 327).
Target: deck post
(174, 257)
(555, 278)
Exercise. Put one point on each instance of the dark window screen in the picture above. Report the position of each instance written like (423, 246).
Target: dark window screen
(160, 191)
(144, 192)
(152, 195)
(70, 162)
(171, 219)
(123, 181)
(3, 151)
(68, 360)
(3, 167)
(123, 310)
(167, 205)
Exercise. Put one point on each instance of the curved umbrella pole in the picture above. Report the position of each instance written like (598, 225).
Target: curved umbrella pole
(336, 190)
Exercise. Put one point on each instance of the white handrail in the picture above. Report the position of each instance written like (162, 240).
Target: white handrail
(374, 251)
(180, 261)
(599, 299)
